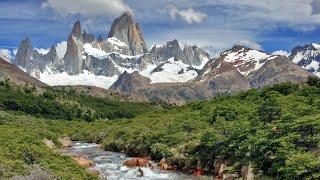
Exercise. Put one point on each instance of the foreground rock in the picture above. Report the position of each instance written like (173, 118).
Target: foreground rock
(65, 142)
(137, 162)
(83, 161)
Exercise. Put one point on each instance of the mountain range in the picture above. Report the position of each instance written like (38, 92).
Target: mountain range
(174, 72)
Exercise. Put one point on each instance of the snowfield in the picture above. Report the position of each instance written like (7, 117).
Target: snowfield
(86, 78)
(173, 71)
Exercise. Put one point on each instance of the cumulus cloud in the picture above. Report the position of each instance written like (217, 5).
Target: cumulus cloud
(92, 8)
(250, 44)
(281, 53)
(5, 54)
(189, 15)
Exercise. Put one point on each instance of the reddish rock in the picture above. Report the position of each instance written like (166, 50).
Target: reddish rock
(137, 162)
(83, 161)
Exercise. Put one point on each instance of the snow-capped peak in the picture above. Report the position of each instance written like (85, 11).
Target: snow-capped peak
(246, 60)
(172, 71)
(316, 46)
(308, 57)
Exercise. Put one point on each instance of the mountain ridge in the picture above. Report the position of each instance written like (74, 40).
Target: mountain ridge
(121, 62)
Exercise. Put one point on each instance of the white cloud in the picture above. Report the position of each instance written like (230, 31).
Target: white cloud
(61, 49)
(42, 50)
(250, 44)
(92, 8)
(5, 54)
(189, 15)
(281, 53)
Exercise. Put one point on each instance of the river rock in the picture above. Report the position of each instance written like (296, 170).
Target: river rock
(83, 161)
(93, 172)
(66, 142)
(137, 162)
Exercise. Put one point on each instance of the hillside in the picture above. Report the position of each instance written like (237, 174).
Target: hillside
(10, 71)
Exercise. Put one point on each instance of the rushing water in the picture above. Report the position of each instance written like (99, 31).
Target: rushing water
(110, 164)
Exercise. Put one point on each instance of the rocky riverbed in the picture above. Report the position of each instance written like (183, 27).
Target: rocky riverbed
(110, 165)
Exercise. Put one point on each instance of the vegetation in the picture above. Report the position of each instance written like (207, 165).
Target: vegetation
(275, 129)
(67, 105)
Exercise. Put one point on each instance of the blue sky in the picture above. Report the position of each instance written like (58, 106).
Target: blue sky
(269, 25)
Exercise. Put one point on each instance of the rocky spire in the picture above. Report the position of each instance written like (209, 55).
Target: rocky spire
(76, 31)
(87, 37)
(73, 57)
(126, 30)
(24, 53)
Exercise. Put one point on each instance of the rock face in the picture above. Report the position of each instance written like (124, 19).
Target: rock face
(191, 55)
(34, 61)
(73, 58)
(278, 70)
(225, 74)
(126, 30)
(24, 53)
(130, 82)
(104, 67)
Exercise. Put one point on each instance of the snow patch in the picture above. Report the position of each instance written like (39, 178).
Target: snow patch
(173, 71)
(281, 53)
(247, 56)
(86, 78)
(100, 54)
(42, 50)
(117, 42)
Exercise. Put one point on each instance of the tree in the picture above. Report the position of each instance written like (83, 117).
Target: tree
(269, 110)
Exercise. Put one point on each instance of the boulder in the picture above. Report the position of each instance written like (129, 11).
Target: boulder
(247, 172)
(83, 161)
(137, 162)
(48, 143)
(66, 142)
(93, 172)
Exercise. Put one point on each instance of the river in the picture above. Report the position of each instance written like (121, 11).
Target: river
(110, 165)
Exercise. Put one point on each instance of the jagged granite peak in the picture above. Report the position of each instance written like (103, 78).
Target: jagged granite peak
(195, 55)
(77, 31)
(73, 58)
(87, 37)
(191, 55)
(307, 57)
(130, 82)
(24, 52)
(128, 31)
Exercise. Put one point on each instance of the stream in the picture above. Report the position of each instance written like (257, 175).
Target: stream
(110, 165)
